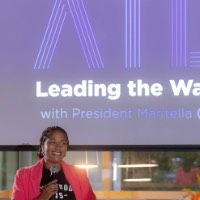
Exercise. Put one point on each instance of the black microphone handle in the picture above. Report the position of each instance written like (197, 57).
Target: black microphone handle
(53, 177)
(53, 197)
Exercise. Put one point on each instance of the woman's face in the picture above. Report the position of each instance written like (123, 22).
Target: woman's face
(55, 148)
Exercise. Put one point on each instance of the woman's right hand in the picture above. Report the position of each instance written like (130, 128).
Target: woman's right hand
(48, 190)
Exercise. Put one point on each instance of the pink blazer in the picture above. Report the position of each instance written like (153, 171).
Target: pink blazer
(26, 185)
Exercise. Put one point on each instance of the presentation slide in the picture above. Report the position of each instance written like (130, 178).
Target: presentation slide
(110, 72)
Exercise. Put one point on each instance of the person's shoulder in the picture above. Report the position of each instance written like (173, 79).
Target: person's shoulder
(73, 168)
(26, 169)
(67, 165)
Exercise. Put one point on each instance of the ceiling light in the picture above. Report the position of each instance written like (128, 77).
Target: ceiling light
(137, 165)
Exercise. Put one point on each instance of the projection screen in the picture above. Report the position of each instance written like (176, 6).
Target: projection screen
(110, 72)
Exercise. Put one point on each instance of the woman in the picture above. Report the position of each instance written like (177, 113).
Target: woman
(39, 182)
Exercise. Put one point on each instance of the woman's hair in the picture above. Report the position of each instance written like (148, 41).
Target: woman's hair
(45, 135)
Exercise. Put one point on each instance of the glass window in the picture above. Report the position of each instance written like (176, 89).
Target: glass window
(156, 170)
(112, 171)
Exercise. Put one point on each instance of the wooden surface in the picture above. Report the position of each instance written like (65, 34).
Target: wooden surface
(124, 195)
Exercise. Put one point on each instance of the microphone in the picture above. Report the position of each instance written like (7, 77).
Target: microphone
(53, 171)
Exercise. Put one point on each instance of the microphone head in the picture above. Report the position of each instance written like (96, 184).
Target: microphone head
(53, 170)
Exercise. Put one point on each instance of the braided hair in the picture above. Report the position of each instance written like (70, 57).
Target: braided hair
(45, 135)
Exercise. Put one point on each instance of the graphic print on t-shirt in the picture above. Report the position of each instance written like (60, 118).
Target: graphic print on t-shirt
(65, 190)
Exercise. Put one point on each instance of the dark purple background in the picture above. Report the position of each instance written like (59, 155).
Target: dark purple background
(162, 58)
